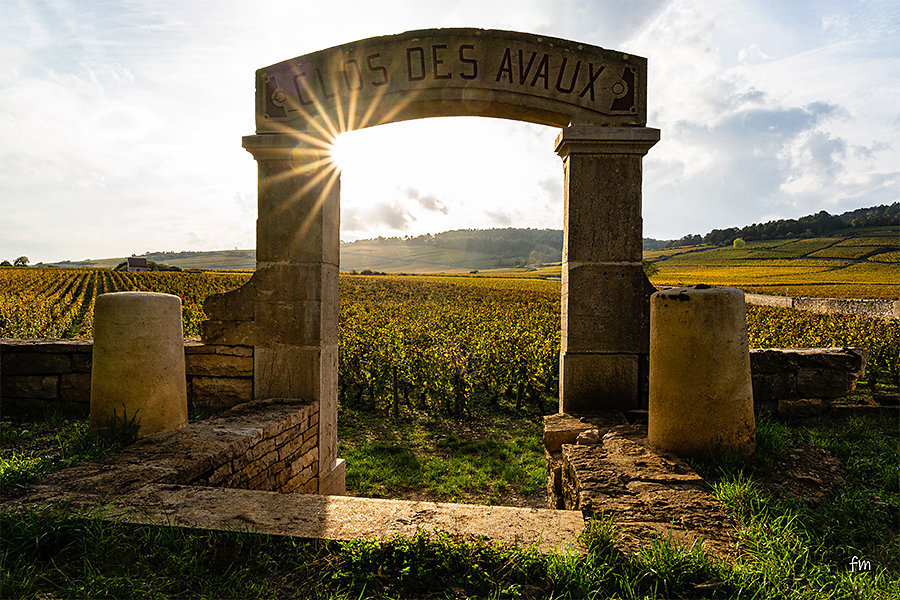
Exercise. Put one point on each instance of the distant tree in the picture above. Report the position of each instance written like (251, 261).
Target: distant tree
(738, 243)
(5, 263)
(688, 240)
(21, 261)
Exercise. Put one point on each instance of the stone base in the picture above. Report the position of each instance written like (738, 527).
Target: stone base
(595, 382)
(646, 492)
(563, 428)
(334, 483)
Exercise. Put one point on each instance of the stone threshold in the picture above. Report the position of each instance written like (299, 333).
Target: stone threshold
(325, 517)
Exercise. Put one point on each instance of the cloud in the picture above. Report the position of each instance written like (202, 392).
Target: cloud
(499, 217)
(127, 118)
(752, 53)
(752, 163)
(390, 214)
(606, 23)
(426, 201)
(553, 186)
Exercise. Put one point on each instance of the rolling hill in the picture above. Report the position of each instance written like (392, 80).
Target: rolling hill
(826, 243)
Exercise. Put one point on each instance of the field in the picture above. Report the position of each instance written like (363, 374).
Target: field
(863, 264)
(442, 384)
(446, 340)
(59, 303)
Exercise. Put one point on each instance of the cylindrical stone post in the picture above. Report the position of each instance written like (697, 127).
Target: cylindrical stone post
(701, 397)
(138, 362)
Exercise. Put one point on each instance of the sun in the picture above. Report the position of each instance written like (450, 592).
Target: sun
(343, 152)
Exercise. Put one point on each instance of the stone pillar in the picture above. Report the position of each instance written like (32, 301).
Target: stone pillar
(605, 308)
(701, 397)
(138, 362)
(296, 284)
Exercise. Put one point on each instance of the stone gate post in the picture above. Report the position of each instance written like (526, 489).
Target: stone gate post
(605, 294)
(296, 283)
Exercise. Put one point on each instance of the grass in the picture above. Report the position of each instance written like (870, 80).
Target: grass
(791, 547)
(33, 447)
(798, 548)
(491, 459)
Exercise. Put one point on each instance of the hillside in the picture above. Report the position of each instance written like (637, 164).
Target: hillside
(860, 262)
(449, 252)
(849, 237)
(238, 260)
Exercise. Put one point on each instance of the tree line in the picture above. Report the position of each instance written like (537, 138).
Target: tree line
(817, 225)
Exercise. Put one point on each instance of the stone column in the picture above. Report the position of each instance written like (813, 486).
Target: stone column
(296, 284)
(605, 294)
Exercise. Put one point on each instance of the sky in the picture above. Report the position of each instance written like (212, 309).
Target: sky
(121, 121)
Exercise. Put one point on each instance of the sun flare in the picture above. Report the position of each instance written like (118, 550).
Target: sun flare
(341, 152)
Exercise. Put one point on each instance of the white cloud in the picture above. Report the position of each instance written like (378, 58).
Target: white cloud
(120, 123)
(427, 201)
(752, 53)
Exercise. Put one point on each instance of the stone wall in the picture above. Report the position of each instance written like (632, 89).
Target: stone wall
(765, 300)
(36, 374)
(267, 445)
(880, 309)
(280, 456)
(816, 376)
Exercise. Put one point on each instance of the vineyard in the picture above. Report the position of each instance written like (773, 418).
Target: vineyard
(52, 303)
(441, 344)
(859, 265)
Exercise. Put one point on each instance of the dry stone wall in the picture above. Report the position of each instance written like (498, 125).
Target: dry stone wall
(875, 308)
(36, 374)
(603, 466)
(813, 377)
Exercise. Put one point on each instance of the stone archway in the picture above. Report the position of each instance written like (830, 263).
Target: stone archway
(288, 311)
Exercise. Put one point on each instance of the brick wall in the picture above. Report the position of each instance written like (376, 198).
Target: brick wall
(36, 374)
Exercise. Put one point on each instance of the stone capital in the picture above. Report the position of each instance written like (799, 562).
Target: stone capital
(298, 147)
(586, 139)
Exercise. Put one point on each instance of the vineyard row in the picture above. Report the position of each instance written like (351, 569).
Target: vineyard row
(437, 343)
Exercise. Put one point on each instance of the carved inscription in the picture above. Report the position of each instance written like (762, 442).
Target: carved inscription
(453, 69)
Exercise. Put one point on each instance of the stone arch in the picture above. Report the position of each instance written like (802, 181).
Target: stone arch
(288, 311)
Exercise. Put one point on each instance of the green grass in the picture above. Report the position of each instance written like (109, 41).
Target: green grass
(56, 553)
(797, 548)
(790, 547)
(33, 447)
(487, 459)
